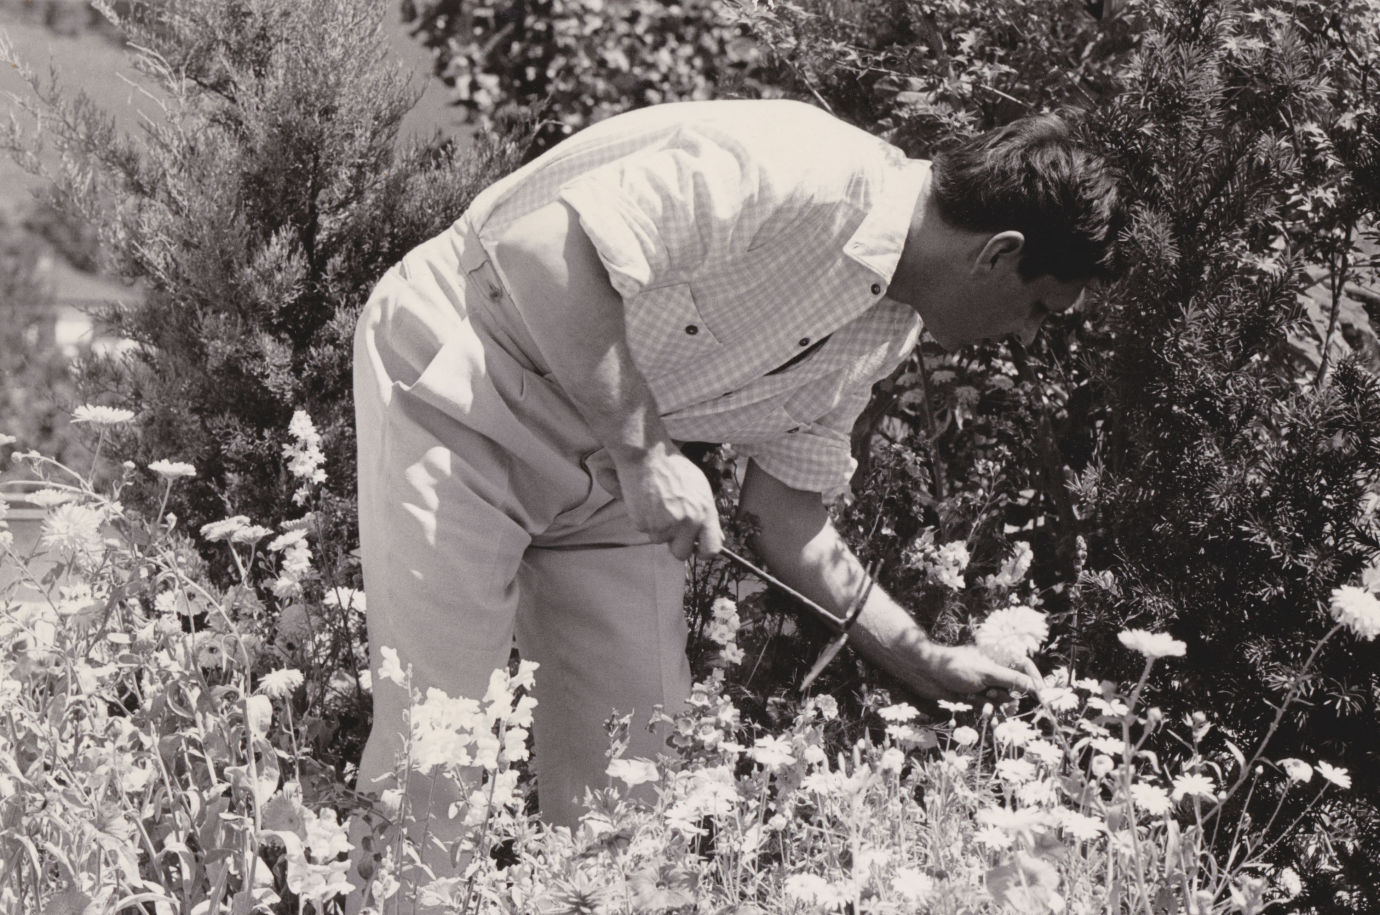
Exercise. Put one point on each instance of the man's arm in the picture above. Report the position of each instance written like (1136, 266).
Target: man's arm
(575, 317)
(801, 546)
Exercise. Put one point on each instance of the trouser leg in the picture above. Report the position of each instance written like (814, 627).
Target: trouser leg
(607, 627)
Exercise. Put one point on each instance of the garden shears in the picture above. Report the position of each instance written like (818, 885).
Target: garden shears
(841, 626)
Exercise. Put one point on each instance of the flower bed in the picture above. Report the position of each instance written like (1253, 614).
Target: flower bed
(158, 735)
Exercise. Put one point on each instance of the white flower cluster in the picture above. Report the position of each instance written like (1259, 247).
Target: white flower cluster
(6, 535)
(723, 630)
(304, 455)
(295, 565)
(1013, 569)
(946, 565)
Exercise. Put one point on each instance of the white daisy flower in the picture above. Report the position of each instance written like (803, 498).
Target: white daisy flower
(1152, 644)
(172, 470)
(225, 528)
(280, 684)
(1335, 774)
(101, 416)
(1193, 784)
(1153, 799)
(899, 713)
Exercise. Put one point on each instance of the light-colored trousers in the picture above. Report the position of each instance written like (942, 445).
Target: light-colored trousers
(481, 518)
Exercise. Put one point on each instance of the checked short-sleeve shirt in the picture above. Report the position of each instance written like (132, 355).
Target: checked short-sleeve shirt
(752, 243)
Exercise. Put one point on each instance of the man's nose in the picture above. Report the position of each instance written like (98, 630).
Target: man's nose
(1027, 333)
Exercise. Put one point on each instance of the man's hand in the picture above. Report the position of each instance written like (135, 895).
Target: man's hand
(669, 499)
(962, 671)
(802, 547)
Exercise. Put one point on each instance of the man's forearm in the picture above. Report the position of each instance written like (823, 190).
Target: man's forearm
(800, 545)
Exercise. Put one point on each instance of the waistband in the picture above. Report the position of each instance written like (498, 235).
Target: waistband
(490, 304)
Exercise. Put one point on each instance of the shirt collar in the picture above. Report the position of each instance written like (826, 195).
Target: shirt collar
(879, 239)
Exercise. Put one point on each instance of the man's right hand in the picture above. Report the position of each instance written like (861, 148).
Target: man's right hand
(669, 500)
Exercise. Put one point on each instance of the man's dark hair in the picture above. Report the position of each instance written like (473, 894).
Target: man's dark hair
(1032, 176)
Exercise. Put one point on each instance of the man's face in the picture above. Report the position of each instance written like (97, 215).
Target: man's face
(993, 305)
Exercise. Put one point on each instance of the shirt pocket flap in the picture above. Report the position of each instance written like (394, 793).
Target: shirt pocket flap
(666, 331)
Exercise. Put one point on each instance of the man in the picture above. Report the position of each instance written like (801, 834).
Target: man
(728, 271)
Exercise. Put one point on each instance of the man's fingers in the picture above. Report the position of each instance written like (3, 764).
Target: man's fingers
(683, 543)
(1033, 673)
(1004, 678)
(711, 539)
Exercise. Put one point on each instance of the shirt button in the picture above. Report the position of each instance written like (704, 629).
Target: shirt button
(804, 341)
(692, 329)
(876, 288)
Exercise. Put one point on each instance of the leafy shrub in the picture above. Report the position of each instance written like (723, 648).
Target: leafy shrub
(39, 387)
(574, 62)
(258, 215)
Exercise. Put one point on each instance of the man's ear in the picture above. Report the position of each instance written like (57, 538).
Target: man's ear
(1001, 249)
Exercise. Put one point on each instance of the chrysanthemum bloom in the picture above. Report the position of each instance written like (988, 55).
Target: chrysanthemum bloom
(1335, 774)
(172, 470)
(1153, 799)
(1152, 644)
(1012, 634)
(1297, 770)
(73, 530)
(1193, 784)
(280, 684)
(1358, 610)
(101, 416)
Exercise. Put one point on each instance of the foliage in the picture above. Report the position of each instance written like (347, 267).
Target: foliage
(162, 736)
(39, 388)
(574, 62)
(1196, 452)
(258, 214)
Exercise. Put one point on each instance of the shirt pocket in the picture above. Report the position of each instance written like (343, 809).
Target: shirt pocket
(666, 331)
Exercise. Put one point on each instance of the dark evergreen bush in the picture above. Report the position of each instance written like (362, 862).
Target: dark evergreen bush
(1198, 452)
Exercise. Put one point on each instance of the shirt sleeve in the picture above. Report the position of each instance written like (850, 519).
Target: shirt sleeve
(663, 215)
(817, 457)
